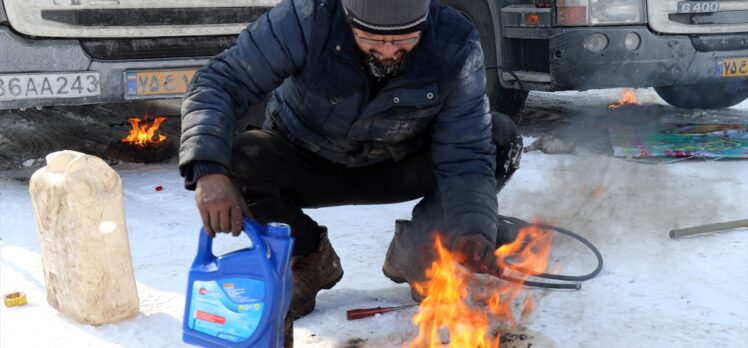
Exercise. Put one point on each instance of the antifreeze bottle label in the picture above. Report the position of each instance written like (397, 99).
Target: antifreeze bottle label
(229, 309)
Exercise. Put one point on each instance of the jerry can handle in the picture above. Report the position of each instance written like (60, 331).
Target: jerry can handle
(250, 227)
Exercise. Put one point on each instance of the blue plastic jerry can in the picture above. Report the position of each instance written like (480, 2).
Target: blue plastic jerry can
(240, 299)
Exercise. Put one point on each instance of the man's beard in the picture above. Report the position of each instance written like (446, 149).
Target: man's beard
(380, 71)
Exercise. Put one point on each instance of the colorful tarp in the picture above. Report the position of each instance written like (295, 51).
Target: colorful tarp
(681, 140)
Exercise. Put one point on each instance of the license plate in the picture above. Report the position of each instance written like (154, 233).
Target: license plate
(733, 67)
(698, 6)
(154, 83)
(49, 85)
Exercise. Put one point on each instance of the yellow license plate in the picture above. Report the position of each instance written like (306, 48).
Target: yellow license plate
(153, 83)
(732, 67)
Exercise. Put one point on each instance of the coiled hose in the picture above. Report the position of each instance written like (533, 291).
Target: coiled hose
(553, 285)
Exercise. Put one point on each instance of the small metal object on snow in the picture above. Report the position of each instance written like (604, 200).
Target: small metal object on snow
(13, 299)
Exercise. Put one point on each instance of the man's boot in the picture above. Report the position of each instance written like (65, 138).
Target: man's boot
(400, 265)
(288, 331)
(311, 273)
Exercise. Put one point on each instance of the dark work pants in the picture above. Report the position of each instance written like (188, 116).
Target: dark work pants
(278, 179)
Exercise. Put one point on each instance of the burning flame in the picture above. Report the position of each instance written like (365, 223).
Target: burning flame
(144, 135)
(459, 303)
(629, 97)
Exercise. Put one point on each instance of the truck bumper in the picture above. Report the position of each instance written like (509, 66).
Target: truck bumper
(20, 55)
(660, 60)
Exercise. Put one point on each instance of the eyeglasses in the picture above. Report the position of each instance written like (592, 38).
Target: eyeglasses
(397, 43)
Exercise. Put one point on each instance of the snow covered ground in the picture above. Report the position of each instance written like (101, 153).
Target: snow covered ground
(652, 292)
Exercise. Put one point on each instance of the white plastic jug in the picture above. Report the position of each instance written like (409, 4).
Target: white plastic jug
(80, 221)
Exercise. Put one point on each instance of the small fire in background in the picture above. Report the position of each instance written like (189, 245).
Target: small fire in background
(629, 97)
(144, 143)
(463, 305)
(143, 135)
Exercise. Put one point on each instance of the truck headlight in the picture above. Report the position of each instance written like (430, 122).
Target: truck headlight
(616, 11)
(600, 12)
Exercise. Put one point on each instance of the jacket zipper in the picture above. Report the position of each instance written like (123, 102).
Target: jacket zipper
(367, 97)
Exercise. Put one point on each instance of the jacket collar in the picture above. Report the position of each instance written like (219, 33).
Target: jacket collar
(341, 41)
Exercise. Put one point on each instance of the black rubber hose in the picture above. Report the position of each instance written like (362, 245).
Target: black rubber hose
(519, 82)
(565, 286)
(576, 286)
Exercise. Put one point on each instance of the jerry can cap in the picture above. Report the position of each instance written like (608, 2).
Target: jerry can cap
(15, 298)
(278, 229)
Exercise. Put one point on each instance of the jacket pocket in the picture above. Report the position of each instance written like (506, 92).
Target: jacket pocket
(283, 119)
(392, 129)
(334, 108)
(420, 97)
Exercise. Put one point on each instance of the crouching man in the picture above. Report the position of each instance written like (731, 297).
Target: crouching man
(373, 102)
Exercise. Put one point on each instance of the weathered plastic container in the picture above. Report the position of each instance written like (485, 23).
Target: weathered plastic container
(80, 221)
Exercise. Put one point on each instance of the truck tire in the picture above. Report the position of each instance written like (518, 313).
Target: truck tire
(705, 95)
(504, 100)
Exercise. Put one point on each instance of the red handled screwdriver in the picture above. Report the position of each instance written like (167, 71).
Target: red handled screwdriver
(354, 314)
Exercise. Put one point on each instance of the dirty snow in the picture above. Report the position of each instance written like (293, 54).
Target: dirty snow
(652, 292)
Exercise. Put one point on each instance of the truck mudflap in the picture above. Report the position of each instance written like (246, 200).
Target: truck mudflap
(657, 60)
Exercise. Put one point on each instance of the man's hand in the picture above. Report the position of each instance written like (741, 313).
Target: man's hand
(478, 252)
(220, 204)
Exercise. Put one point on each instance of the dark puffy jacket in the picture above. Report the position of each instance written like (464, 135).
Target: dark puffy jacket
(303, 51)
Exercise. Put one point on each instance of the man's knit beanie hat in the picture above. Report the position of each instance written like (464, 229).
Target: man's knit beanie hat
(387, 17)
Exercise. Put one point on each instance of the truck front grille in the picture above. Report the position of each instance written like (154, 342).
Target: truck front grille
(154, 48)
(731, 42)
(732, 17)
(155, 16)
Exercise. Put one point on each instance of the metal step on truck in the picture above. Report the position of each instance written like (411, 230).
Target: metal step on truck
(694, 53)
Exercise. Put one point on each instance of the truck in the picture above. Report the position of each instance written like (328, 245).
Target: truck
(76, 52)
(693, 52)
